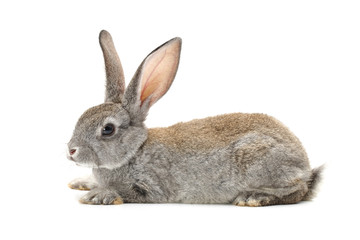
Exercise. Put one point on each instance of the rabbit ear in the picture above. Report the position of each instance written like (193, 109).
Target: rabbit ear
(153, 78)
(115, 81)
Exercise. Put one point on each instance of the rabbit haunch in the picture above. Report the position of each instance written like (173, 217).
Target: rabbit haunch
(243, 159)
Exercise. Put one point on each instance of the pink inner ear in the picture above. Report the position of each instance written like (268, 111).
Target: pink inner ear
(149, 84)
(158, 72)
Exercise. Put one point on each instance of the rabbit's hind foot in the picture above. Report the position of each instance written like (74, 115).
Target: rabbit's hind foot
(285, 195)
(254, 199)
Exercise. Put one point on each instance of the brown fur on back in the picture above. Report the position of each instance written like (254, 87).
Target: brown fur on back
(217, 132)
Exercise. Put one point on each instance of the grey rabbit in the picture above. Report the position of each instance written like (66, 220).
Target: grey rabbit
(242, 159)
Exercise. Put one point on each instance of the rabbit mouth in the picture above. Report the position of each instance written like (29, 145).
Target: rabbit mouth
(83, 156)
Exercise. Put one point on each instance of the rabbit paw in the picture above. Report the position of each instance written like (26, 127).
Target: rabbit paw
(101, 196)
(85, 184)
(254, 199)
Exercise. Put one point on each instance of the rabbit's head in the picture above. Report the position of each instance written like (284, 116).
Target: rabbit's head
(110, 134)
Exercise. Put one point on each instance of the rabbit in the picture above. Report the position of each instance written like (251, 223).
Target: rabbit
(241, 159)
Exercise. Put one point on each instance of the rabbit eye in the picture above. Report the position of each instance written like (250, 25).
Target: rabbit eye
(108, 130)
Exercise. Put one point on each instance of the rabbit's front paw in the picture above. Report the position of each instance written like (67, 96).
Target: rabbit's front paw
(101, 196)
(85, 184)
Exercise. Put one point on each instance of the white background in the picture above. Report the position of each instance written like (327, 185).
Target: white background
(296, 60)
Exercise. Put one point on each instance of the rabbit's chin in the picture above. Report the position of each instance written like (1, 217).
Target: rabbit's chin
(87, 165)
(104, 166)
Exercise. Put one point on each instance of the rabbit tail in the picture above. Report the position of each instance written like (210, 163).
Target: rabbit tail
(313, 183)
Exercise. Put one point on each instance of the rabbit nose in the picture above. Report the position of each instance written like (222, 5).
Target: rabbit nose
(72, 151)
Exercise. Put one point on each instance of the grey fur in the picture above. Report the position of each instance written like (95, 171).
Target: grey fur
(115, 80)
(243, 159)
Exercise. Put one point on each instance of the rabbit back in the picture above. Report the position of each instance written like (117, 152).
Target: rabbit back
(220, 131)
